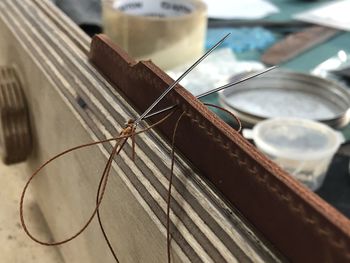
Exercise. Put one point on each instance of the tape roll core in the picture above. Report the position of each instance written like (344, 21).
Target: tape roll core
(170, 33)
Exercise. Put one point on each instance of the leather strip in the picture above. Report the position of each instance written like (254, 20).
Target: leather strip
(297, 43)
(301, 225)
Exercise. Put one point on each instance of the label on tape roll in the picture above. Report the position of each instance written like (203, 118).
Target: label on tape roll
(160, 8)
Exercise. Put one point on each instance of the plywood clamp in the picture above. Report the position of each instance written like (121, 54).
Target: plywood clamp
(15, 135)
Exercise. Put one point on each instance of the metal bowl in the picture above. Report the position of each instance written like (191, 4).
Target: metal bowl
(282, 93)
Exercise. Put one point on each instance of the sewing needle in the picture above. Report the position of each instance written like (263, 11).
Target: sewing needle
(215, 90)
(172, 86)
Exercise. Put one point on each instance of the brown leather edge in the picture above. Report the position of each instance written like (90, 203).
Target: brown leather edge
(296, 221)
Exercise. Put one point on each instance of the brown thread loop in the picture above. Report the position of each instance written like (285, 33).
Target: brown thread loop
(36, 173)
(127, 132)
(228, 112)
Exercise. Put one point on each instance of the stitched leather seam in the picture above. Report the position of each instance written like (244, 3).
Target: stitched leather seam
(275, 189)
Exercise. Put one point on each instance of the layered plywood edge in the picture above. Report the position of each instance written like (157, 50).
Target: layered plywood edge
(50, 54)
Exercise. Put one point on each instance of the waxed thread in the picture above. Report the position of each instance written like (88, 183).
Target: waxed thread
(127, 132)
(105, 236)
(169, 188)
(172, 170)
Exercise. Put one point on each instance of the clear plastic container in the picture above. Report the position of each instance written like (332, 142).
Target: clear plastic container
(304, 148)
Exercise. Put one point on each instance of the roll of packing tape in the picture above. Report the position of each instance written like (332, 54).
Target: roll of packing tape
(169, 32)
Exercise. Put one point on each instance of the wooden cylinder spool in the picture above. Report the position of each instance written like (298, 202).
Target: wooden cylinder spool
(15, 136)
